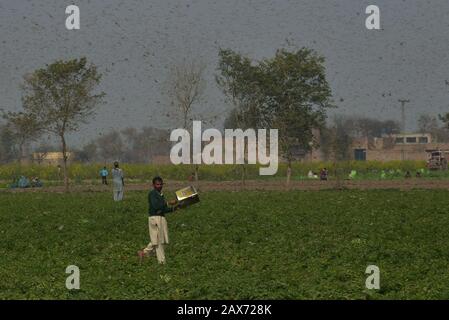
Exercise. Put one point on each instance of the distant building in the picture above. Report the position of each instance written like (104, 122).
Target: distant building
(50, 158)
(412, 146)
(412, 138)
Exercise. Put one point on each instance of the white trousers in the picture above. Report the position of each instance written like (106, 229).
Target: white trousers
(118, 195)
(158, 229)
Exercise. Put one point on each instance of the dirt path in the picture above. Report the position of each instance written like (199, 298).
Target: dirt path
(260, 185)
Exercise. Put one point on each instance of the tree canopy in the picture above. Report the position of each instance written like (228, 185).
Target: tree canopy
(62, 96)
(288, 92)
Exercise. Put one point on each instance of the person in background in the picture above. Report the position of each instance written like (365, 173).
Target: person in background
(59, 172)
(353, 174)
(23, 182)
(36, 182)
(104, 174)
(118, 182)
(323, 174)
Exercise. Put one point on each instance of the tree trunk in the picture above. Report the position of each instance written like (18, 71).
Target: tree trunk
(197, 168)
(243, 175)
(185, 121)
(64, 159)
(289, 173)
(20, 154)
(338, 178)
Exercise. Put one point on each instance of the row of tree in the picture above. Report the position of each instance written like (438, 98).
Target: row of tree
(142, 146)
(288, 91)
(128, 145)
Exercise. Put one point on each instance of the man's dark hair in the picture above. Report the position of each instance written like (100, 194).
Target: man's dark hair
(155, 179)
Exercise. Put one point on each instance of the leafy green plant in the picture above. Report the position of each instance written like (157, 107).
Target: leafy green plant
(231, 245)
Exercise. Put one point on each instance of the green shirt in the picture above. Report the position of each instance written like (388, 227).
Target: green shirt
(157, 204)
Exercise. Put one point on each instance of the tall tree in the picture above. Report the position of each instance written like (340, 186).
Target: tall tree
(238, 80)
(61, 96)
(288, 92)
(296, 95)
(186, 86)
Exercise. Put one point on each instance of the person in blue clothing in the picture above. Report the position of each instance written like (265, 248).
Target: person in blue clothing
(23, 182)
(104, 173)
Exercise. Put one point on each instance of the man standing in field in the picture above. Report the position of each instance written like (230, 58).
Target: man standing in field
(104, 173)
(158, 207)
(118, 182)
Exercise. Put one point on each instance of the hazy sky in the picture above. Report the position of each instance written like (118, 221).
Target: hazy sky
(134, 42)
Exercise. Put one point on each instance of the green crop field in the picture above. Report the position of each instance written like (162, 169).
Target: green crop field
(232, 245)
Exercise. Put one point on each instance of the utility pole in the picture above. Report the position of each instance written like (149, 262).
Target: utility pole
(403, 102)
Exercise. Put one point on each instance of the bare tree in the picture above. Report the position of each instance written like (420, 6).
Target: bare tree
(186, 86)
(427, 123)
